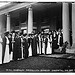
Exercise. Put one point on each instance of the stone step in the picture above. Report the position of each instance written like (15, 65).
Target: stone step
(70, 51)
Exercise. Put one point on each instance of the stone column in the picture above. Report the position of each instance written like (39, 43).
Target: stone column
(65, 22)
(73, 25)
(8, 23)
(30, 20)
(2, 23)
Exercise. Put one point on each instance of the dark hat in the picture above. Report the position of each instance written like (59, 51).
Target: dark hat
(24, 34)
(12, 31)
(29, 34)
(6, 33)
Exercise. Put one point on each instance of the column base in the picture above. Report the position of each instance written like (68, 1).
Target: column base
(73, 46)
(71, 50)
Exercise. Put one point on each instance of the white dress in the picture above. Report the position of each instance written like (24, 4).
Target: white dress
(1, 50)
(38, 49)
(7, 57)
(11, 56)
(49, 49)
(43, 48)
(30, 50)
(22, 47)
(39, 45)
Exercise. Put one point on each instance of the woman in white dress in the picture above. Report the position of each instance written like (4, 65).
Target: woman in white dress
(49, 49)
(39, 43)
(7, 56)
(22, 46)
(1, 49)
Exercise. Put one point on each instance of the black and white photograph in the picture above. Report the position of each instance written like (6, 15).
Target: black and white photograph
(37, 37)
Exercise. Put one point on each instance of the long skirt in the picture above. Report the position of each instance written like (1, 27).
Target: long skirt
(0, 53)
(30, 51)
(22, 51)
(11, 56)
(43, 48)
(49, 49)
(38, 49)
(6, 57)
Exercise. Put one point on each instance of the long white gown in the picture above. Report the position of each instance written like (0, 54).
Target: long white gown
(7, 57)
(1, 50)
(43, 48)
(22, 47)
(30, 50)
(11, 56)
(49, 49)
(38, 49)
(39, 45)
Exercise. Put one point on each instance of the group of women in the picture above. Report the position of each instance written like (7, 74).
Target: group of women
(16, 46)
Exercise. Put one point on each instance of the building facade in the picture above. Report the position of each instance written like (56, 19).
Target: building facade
(31, 16)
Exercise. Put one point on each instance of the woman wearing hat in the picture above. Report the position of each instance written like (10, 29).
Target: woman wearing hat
(30, 45)
(10, 45)
(17, 48)
(49, 50)
(6, 58)
(54, 41)
(25, 46)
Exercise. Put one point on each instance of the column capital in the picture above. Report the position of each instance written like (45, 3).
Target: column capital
(7, 14)
(29, 7)
(65, 2)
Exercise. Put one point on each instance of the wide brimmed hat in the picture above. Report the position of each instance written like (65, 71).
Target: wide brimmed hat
(24, 34)
(13, 31)
(6, 33)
